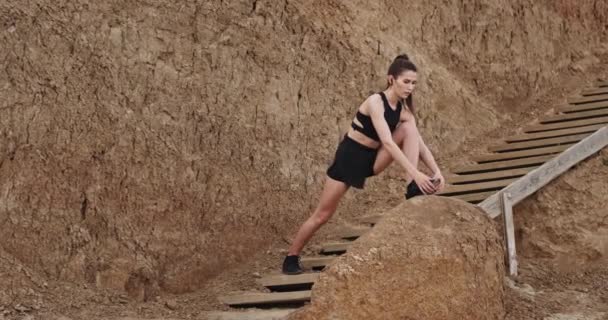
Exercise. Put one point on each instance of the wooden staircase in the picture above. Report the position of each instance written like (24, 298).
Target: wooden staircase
(505, 165)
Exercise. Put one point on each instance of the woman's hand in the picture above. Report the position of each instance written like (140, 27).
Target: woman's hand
(439, 181)
(424, 183)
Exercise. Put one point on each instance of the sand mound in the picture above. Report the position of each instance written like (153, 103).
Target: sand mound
(430, 258)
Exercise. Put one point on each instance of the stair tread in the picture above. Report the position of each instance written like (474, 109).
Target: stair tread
(554, 133)
(277, 280)
(335, 247)
(475, 197)
(317, 261)
(370, 219)
(255, 314)
(575, 115)
(264, 298)
(538, 143)
(503, 174)
(594, 91)
(585, 99)
(566, 124)
(482, 186)
(582, 107)
(501, 165)
(352, 232)
(521, 154)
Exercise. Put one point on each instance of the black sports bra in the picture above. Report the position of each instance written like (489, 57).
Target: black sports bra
(391, 116)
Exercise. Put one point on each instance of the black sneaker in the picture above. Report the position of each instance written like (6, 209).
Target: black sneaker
(413, 190)
(291, 265)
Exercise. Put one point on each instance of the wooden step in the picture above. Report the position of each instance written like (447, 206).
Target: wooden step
(261, 298)
(521, 154)
(582, 107)
(476, 187)
(579, 100)
(335, 247)
(488, 176)
(352, 233)
(370, 219)
(554, 133)
(252, 314)
(538, 143)
(283, 282)
(566, 124)
(475, 197)
(502, 165)
(602, 84)
(316, 262)
(594, 91)
(575, 116)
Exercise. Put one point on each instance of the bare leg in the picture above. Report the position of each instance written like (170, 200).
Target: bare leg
(330, 197)
(408, 138)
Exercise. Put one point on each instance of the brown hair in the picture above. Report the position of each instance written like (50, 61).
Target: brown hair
(401, 64)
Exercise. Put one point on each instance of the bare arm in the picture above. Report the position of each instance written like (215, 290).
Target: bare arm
(376, 111)
(427, 157)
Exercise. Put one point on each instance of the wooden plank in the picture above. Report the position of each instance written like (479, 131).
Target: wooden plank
(283, 281)
(474, 197)
(316, 262)
(554, 133)
(350, 233)
(255, 298)
(538, 143)
(520, 154)
(475, 187)
(255, 314)
(575, 116)
(566, 124)
(335, 247)
(509, 230)
(594, 91)
(502, 165)
(579, 100)
(370, 219)
(549, 171)
(488, 176)
(582, 107)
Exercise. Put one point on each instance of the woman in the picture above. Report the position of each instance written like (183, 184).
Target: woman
(383, 130)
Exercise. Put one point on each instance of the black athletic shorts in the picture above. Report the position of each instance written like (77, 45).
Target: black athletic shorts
(353, 163)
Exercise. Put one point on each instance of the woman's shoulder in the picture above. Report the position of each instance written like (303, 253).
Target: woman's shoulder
(374, 99)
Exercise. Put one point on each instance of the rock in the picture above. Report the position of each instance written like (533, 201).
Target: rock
(256, 275)
(22, 308)
(171, 304)
(429, 258)
(123, 299)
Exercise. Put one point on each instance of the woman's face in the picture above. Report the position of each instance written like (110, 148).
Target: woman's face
(405, 83)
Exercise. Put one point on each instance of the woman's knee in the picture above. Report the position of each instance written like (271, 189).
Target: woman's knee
(323, 215)
(408, 130)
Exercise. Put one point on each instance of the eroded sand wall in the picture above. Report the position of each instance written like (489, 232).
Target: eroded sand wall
(154, 144)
